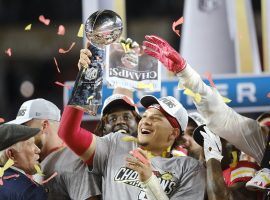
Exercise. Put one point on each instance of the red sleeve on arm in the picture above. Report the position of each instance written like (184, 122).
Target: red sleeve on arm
(77, 138)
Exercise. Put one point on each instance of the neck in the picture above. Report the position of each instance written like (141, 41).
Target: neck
(158, 152)
(51, 145)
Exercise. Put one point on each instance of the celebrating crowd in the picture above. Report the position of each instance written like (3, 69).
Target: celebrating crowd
(164, 153)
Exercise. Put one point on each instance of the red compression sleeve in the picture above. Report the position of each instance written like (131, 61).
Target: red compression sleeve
(77, 138)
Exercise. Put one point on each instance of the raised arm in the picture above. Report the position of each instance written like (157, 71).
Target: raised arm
(242, 132)
(79, 140)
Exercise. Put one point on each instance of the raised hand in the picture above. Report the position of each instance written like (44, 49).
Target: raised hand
(162, 50)
(84, 60)
(140, 163)
(212, 145)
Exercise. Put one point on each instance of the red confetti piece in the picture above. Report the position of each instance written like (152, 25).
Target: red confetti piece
(1, 181)
(43, 20)
(127, 100)
(62, 84)
(65, 51)
(178, 22)
(139, 156)
(2, 120)
(209, 77)
(56, 64)
(268, 95)
(8, 52)
(61, 30)
(50, 178)
(11, 176)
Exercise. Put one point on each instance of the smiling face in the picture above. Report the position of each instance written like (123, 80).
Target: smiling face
(155, 132)
(121, 120)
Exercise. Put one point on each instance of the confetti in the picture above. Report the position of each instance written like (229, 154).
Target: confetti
(8, 164)
(65, 51)
(63, 85)
(129, 139)
(197, 97)
(2, 120)
(61, 30)
(80, 32)
(139, 156)
(28, 27)
(145, 86)
(39, 172)
(127, 100)
(8, 52)
(11, 176)
(234, 162)
(56, 64)
(226, 100)
(209, 77)
(50, 178)
(43, 20)
(268, 95)
(178, 22)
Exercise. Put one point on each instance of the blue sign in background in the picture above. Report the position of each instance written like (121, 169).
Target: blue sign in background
(247, 93)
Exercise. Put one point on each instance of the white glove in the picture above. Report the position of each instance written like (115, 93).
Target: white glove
(212, 145)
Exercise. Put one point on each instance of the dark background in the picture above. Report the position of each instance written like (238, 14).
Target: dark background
(33, 51)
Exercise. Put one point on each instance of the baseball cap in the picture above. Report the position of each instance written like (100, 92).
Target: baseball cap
(197, 118)
(118, 100)
(13, 133)
(36, 109)
(171, 106)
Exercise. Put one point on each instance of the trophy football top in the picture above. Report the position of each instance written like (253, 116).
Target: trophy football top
(103, 27)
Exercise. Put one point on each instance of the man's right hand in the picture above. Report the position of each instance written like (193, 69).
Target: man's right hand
(161, 50)
(84, 61)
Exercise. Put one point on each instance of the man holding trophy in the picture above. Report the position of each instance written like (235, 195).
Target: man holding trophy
(128, 171)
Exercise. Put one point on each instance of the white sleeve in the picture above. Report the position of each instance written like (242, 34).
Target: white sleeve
(243, 132)
(153, 189)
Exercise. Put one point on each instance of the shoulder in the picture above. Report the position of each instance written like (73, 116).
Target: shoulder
(188, 164)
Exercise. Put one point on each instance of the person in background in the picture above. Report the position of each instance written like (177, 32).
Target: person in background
(18, 157)
(244, 133)
(56, 158)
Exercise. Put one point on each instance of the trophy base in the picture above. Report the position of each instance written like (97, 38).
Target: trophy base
(90, 109)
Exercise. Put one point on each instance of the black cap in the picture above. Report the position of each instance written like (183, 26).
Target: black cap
(197, 136)
(12, 133)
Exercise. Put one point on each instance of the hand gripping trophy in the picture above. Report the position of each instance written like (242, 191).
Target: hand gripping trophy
(102, 28)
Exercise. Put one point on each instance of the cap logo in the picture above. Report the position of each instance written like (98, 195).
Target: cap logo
(168, 102)
(38, 114)
(21, 112)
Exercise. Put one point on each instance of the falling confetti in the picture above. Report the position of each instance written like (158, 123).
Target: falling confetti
(139, 156)
(63, 85)
(50, 178)
(65, 51)
(226, 100)
(8, 164)
(178, 22)
(38, 170)
(129, 139)
(145, 86)
(209, 77)
(61, 30)
(8, 52)
(80, 32)
(197, 97)
(56, 64)
(43, 20)
(28, 27)
(2, 120)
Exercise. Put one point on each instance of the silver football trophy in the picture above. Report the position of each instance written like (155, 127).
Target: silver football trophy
(102, 28)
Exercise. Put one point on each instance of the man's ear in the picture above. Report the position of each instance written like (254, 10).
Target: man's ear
(174, 134)
(10, 153)
(44, 125)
